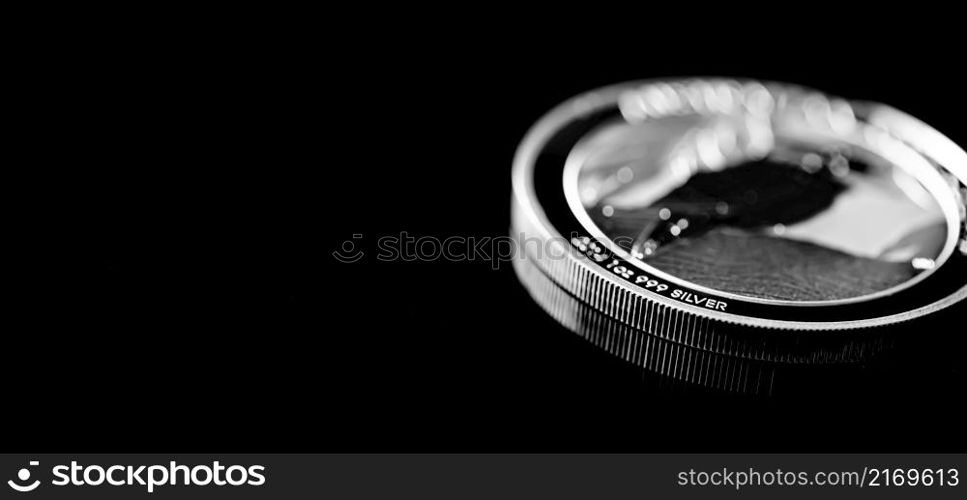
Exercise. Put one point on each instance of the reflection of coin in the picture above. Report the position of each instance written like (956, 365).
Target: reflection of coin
(665, 357)
(704, 207)
(750, 364)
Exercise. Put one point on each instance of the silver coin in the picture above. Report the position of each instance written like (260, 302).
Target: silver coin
(712, 208)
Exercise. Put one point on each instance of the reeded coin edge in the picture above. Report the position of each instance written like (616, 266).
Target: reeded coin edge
(673, 325)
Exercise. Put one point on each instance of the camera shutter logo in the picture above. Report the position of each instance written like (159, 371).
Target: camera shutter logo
(347, 252)
(23, 475)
